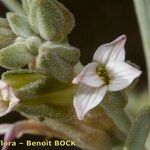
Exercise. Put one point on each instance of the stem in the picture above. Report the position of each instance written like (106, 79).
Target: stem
(13, 5)
(142, 8)
(114, 105)
(139, 131)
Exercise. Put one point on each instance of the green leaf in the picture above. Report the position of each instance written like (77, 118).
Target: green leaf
(15, 56)
(38, 88)
(58, 60)
(19, 78)
(19, 24)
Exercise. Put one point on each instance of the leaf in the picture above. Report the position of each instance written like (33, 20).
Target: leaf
(140, 127)
(4, 23)
(51, 19)
(62, 120)
(34, 91)
(46, 18)
(7, 37)
(19, 24)
(69, 21)
(18, 78)
(14, 56)
(60, 113)
(26, 5)
(114, 104)
(58, 60)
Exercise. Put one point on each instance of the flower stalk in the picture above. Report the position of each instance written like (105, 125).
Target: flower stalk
(114, 105)
(139, 131)
(143, 15)
(13, 5)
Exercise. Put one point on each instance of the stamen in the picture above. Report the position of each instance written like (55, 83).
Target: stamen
(102, 73)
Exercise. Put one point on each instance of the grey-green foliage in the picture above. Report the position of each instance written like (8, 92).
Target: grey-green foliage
(139, 131)
(21, 77)
(39, 87)
(7, 37)
(14, 56)
(58, 60)
(38, 36)
(114, 104)
(43, 22)
(60, 113)
(50, 19)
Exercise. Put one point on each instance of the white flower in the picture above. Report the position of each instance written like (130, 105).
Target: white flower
(8, 100)
(107, 72)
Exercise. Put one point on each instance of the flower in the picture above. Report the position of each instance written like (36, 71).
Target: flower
(107, 72)
(8, 100)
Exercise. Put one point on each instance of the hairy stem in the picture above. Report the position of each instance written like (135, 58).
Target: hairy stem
(114, 105)
(139, 131)
(143, 15)
(13, 5)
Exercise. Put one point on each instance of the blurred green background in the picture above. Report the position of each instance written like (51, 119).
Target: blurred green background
(98, 22)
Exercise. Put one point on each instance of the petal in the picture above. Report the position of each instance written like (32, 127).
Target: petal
(2, 84)
(113, 51)
(4, 128)
(121, 75)
(87, 98)
(5, 93)
(12, 101)
(89, 76)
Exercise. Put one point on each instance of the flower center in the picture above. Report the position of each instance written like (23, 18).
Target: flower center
(102, 73)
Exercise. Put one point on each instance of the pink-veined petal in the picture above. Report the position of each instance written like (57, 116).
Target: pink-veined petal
(8, 99)
(87, 98)
(121, 75)
(113, 51)
(2, 84)
(89, 76)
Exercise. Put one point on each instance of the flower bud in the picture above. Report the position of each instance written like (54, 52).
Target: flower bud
(33, 43)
